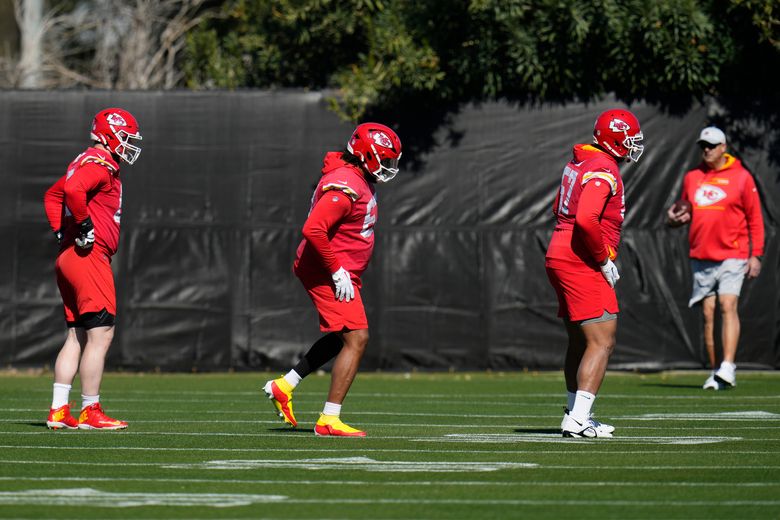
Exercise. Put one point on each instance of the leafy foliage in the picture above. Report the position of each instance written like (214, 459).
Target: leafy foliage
(375, 53)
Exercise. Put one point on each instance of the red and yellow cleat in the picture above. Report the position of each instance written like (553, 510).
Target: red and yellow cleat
(61, 418)
(93, 418)
(280, 392)
(331, 426)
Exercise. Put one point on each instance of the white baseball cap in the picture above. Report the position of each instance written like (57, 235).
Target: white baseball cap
(712, 135)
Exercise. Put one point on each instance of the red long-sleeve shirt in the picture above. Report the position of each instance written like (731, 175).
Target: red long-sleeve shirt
(589, 209)
(587, 222)
(90, 188)
(726, 220)
(324, 217)
(339, 231)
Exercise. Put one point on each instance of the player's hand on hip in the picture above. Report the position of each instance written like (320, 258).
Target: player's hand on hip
(610, 272)
(343, 282)
(86, 234)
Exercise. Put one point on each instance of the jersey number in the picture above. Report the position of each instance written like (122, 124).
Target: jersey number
(118, 214)
(568, 181)
(368, 222)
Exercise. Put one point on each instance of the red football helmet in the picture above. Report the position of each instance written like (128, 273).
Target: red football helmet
(115, 129)
(617, 131)
(379, 149)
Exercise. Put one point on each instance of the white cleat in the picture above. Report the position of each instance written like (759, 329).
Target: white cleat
(589, 428)
(711, 383)
(602, 430)
(726, 374)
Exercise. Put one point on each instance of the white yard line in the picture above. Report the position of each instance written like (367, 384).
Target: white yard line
(78, 496)
(738, 415)
(715, 466)
(240, 397)
(402, 483)
(523, 429)
(368, 450)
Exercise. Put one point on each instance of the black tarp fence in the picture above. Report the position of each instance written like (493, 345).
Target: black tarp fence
(212, 213)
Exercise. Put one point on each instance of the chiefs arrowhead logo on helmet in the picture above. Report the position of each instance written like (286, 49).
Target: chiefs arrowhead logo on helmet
(116, 120)
(617, 125)
(382, 139)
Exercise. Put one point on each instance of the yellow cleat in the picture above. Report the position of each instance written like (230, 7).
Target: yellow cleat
(280, 392)
(331, 425)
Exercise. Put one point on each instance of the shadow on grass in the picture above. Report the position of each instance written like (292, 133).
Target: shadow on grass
(292, 431)
(39, 424)
(543, 431)
(670, 385)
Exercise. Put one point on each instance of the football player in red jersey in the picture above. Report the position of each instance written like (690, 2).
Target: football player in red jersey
(589, 209)
(84, 208)
(336, 248)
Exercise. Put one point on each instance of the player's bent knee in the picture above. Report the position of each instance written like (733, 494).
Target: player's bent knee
(356, 339)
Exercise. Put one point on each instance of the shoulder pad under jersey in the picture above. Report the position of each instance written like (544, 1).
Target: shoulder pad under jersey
(603, 174)
(94, 158)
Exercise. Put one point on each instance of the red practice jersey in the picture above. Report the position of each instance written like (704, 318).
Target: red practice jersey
(90, 188)
(352, 237)
(726, 220)
(589, 164)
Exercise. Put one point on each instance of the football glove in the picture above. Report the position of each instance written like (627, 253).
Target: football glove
(343, 283)
(610, 272)
(86, 234)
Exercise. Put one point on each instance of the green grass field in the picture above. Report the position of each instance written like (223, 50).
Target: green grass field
(439, 446)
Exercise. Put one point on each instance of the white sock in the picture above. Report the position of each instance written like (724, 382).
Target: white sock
(87, 400)
(728, 365)
(60, 395)
(570, 396)
(293, 378)
(331, 409)
(582, 405)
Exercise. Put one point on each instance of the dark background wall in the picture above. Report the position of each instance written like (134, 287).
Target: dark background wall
(212, 213)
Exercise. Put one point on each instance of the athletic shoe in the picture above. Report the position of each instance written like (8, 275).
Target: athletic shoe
(331, 425)
(727, 374)
(279, 391)
(603, 430)
(570, 427)
(93, 418)
(61, 418)
(711, 383)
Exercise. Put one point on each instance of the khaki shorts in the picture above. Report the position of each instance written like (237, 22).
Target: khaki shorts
(711, 278)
